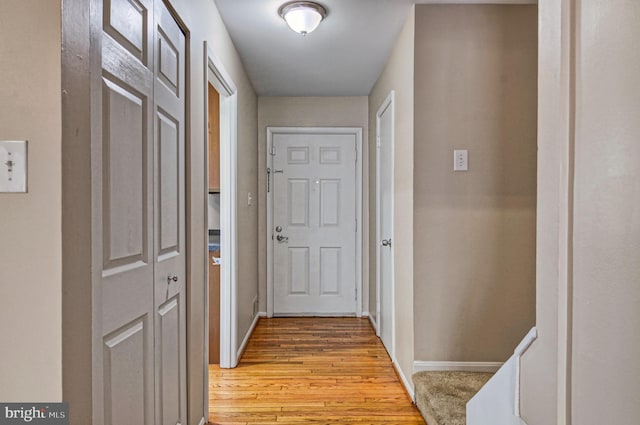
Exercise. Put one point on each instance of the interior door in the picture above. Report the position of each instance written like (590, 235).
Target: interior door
(385, 224)
(169, 253)
(314, 218)
(138, 128)
(122, 126)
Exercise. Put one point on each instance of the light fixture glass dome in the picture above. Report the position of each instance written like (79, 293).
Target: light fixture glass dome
(303, 16)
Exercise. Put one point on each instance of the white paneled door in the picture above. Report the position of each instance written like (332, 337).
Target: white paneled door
(139, 125)
(384, 216)
(314, 224)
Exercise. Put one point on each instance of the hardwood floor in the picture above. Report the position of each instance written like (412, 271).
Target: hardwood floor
(311, 371)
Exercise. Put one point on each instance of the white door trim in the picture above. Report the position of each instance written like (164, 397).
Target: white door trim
(216, 74)
(357, 132)
(389, 102)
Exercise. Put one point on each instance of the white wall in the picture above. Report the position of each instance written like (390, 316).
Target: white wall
(30, 224)
(583, 368)
(397, 75)
(348, 111)
(605, 340)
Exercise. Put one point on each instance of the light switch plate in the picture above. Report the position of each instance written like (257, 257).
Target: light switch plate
(13, 166)
(460, 160)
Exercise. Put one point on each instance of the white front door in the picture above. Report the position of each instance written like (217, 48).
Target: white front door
(384, 203)
(314, 224)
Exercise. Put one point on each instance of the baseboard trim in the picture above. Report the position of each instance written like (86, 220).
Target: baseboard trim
(203, 421)
(249, 333)
(403, 379)
(420, 366)
(374, 325)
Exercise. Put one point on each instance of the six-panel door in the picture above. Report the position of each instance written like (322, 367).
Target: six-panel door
(139, 131)
(314, 179)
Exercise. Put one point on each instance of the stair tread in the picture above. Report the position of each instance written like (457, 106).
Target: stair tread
(442, 396)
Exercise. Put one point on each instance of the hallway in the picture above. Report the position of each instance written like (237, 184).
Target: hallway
(311, 370)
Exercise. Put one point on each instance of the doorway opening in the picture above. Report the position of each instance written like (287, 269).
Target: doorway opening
(221, 215)
(213, 221)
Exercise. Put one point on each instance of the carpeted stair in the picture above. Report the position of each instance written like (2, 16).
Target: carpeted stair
(442, 397)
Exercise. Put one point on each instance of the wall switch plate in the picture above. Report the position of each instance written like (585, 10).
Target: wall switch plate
(460, 160)
(13, 166)
(249, 199)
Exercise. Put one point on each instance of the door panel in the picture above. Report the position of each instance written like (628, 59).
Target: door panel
(124, 175)
(139, 127)
(124, 379)
(169, 184)
(169, 333)
(126, 21)
(385, 196)
(123, 197)
(315, 205)
(170, 266)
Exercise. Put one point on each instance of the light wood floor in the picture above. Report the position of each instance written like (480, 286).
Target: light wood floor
(311, 371)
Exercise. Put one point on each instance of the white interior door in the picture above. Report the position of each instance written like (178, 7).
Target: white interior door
(139, 126)
(384, 208)
(169, 220)
(314, 224)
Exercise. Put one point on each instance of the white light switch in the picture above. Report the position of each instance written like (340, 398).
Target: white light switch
(249, 198)
(13, 166)
(460, 160)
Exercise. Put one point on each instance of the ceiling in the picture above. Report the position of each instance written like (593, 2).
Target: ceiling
(343, 57)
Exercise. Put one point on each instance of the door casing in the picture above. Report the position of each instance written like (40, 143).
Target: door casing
(217, 76)
(357, 132)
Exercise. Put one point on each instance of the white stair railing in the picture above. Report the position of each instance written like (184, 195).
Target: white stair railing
(498, 402)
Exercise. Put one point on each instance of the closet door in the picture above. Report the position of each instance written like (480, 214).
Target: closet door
(138, 213)
(169, 252)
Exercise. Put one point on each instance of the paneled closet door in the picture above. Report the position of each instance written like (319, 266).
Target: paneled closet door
(138, 197)
(169, 253)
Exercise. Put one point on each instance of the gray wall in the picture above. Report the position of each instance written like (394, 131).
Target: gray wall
(474, 243)
(398, 76)
(308, 112)
(30, 224)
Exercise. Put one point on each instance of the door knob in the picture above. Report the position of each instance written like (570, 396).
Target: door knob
(172, 278)
(386, 242)
(281, 238)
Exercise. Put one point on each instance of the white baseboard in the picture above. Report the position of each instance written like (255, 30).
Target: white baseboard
(373, 323)
(203, 421)
(403, 378)
(245, 340)
(420, 366)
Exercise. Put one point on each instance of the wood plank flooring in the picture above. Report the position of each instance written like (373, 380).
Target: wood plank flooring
(311, 371)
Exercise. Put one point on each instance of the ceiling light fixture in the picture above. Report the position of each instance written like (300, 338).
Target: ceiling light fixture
(302, 16)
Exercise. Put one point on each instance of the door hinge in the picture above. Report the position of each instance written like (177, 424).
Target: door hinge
(356, 294)
(378, 144)
(356, 154)
(356, 224)
(272, 150)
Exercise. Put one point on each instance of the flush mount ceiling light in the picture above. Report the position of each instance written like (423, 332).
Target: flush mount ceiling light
(302, 16)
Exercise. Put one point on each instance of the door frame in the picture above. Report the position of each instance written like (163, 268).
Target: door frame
(216, 75)
(388, 103)
(355, 131)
